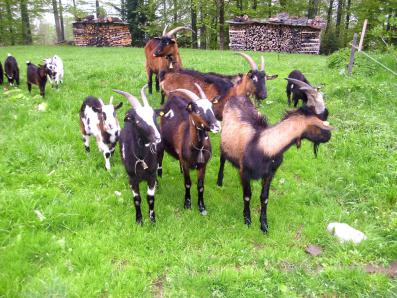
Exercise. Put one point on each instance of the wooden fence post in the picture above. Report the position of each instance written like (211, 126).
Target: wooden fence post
(352, 53)
(360, 45)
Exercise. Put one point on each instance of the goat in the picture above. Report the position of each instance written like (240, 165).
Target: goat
(297, 93)
(100, 120)
(1, 74)
(256, 148)
(11, 69)
(37, 75)
(185, 137)
(55, 65)
(219, 88)
(162, 53)
(138, 144)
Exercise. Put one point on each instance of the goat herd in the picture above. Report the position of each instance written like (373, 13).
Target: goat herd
(196, 103)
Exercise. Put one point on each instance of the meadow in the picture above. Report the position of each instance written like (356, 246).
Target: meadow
(88, 245)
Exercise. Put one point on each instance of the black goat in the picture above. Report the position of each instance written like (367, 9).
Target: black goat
(295, 90)
(139, 140)
(256, 148)
(185, 137)
(1, 74)
(11, 69)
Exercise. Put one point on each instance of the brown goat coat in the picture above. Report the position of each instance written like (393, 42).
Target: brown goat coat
(175, 80)
(156, 64)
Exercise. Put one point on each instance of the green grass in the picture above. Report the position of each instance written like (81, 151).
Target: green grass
(88, 245)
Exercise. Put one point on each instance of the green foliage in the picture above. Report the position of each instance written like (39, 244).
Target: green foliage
(362, 65)
(88, 245)
(329, 42)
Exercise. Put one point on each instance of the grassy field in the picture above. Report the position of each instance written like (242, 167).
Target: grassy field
(88, 244)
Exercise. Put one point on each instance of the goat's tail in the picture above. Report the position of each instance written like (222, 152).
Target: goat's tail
(9, 55)
(28, 62)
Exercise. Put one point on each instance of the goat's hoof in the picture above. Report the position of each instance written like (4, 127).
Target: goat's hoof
(188, 204)
(87, 149)
(160, 173)
(247, 221)
(153, 219)
(203, 211)
(139, 221)
(219, 183)
(264, 228)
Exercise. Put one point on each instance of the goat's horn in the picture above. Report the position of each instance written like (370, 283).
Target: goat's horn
(193, 96)
(111, 100)
(177, 29)
(300, 83)
(132, 99)
(165, 29)
(250, 60)
(143, 95)
(100, 100)
(201, 91)
(262, 63)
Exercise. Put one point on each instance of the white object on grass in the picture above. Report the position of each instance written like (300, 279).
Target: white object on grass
(345, 233)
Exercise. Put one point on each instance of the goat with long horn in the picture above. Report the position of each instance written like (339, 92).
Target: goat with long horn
(162, 54)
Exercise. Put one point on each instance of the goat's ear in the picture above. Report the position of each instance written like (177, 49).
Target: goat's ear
(96, 110)
(158, 38)
(159, 112)
(268, 78)
(118, 106)
(216, 99)
(173, 40)
(129, 117)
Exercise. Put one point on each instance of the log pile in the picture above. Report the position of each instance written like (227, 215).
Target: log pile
(105, 32)
(278, 34)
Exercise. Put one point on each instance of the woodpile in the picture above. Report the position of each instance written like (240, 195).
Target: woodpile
(103, 32)
(278, 34)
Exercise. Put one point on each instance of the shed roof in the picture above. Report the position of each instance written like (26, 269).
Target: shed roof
(281, 19)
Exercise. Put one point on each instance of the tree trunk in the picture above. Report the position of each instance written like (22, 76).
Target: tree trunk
(61, 21)
(193, 14)
(349, 2)
(26, 33)
(75, 10)
(329, 14)
(339, 17)
(203, 32)
(10, 22)
(312, 9)
(239, 4)
(221, 4)
(175, 10)
(254, 4)
(57, 22)
(97, 8)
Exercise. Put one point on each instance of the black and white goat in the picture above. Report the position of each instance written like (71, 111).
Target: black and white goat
(55, 65)
(11, 69)
(185, 137)
(100, 120)
(256, 148)
(139, 140)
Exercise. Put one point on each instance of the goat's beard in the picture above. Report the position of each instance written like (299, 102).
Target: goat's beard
(315, 148)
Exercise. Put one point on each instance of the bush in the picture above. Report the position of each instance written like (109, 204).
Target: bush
(362, 65)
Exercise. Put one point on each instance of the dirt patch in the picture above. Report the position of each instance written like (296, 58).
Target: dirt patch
(391, 270)
(158, 287)
(313, 250)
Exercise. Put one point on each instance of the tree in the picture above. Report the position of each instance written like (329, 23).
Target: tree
(26, 32)
(339, 17)
(57, 21)
(61, 21)
(193, 14)
(221, 4)
(312, 10)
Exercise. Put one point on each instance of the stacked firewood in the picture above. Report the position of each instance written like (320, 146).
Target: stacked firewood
(278, 37)
(102, 33)
(281, 33)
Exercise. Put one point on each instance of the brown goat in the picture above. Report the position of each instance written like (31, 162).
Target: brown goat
(256, 148)
(37, 75)
(162, 53)
(219, 88)
(185, 137)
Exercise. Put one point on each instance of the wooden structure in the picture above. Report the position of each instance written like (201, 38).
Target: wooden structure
(103, 32)
(278, 34)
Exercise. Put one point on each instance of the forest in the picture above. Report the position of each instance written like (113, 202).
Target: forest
(31, 21)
